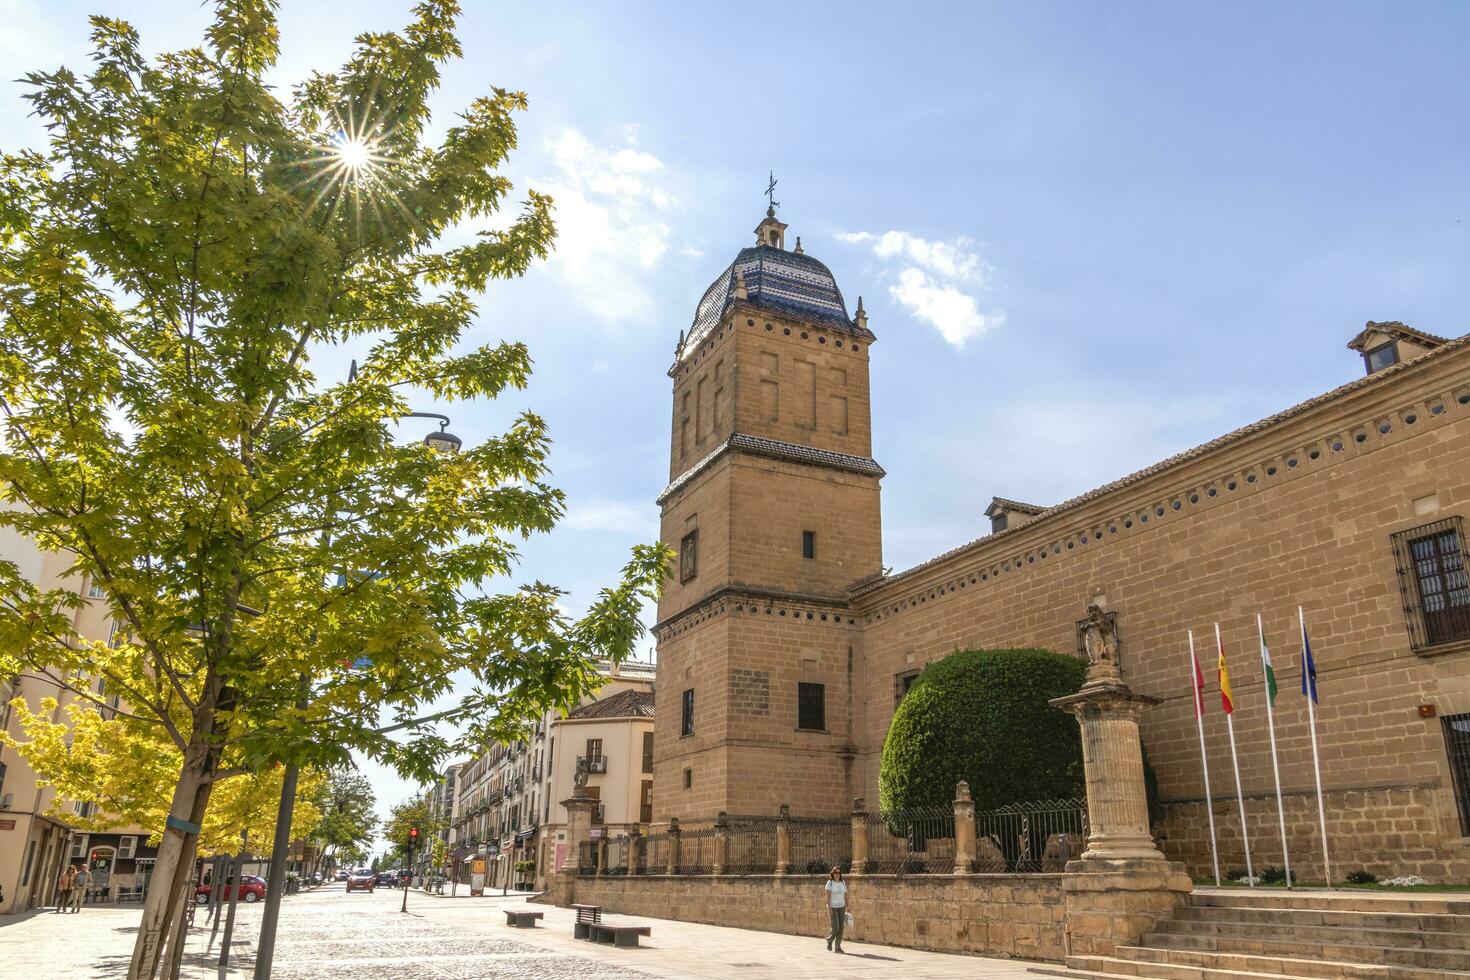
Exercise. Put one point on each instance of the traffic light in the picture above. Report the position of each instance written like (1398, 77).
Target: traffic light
(413, 833)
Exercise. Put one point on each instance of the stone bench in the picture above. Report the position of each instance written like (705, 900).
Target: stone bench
(522, 920)
(616, 935)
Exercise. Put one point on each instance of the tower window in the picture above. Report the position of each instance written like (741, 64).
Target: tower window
(689, 556)
(811, 707)
(688, 778)
(686, 724)
(1381, 357)
(808, 544)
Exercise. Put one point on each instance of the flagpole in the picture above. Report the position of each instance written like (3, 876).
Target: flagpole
(1271, 728)
(1311, 686)
(1204, 758)
(1245, 838)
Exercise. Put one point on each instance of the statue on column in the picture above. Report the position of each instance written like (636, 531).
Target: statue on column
(579, 777)
(1100, 639)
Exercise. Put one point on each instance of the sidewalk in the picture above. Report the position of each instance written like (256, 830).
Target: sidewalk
(94, 944)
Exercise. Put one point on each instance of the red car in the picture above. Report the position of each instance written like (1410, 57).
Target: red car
(362, 880)
(252, 889)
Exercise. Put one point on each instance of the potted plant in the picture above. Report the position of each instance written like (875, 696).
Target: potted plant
(525, 875)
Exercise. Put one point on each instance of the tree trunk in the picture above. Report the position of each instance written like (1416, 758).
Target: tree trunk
(174, 863)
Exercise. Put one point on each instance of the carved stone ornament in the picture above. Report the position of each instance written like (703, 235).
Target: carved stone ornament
(579, 777)
(1099, 636)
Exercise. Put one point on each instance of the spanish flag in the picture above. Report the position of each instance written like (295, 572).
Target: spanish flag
(1226, 700)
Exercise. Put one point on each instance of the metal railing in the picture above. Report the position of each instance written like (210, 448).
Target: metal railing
(819, 844)
(751, 846)
(655, 856)
(697, 851)
(1030, 837)
(904, 842)
(619, 856)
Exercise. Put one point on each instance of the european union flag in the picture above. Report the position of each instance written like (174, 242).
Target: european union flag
(1309, 669)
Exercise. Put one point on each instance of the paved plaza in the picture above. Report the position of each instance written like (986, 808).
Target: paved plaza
(328, 934)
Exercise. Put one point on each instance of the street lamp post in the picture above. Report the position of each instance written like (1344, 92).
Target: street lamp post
(442, 441)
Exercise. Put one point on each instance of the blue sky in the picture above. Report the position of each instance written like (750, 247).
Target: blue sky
(1088, 236)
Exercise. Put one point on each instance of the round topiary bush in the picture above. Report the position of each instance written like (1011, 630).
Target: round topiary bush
(982, 716)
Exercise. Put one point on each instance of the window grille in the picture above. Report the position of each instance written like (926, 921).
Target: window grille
(1457, 744)
(686, 725)
(811, 707)
(1433, 583)
(689, 556)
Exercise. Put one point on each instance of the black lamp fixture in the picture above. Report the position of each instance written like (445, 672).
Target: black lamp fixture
(443, 440)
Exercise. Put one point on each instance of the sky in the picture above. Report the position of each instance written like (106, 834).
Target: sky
(1088, 236)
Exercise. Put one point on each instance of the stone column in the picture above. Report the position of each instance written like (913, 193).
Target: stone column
(783, 840)
(722, 843)
(964, 830)
(635, 844)
(1122, 886)
(674, 833)
(1112, 759)
(579, 829)
(602, 853)
(859, 836)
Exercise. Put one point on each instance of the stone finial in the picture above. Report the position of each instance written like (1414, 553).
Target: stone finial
(962, 792)
(679, 347)
(673, 825)
(723, 820)
(861, 316)
(784, 812)
(740, 291)
(858, 806)
(799, 250)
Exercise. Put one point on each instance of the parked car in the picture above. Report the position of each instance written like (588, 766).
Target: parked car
(252, 889)
(342, 874)
(363, 879)
(388, 879)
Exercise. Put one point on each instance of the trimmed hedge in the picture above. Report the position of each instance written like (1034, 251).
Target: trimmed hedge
(982, 716)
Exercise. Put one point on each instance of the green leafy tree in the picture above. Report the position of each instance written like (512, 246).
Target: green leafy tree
(347, 822)
(292, 583)
(983, 716)
(406, 815)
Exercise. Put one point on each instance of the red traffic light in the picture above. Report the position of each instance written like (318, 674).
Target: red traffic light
(413, 833)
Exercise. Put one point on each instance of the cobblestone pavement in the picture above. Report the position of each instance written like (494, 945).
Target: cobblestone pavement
(327, 935)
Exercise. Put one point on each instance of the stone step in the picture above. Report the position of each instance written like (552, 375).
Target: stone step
(1342, 918)
(1179, 962)
(1344, 948)
(1112, 968)
(1446, 903)
(1407, 937)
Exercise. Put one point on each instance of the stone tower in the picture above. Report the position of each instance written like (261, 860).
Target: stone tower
(773, 506)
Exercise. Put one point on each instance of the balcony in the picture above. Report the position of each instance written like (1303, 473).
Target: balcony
(598, 765)
(535, 774)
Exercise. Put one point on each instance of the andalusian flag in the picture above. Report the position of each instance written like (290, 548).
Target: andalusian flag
(1226, 701)
(1270, 671)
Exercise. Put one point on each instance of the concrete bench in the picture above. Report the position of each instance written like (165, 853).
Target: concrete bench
(617, 935)
(522, 920)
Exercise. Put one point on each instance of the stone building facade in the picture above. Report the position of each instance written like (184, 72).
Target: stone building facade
(784, 647)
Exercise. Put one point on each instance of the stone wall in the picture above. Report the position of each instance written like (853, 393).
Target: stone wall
(1389, 831)
(1013, 916)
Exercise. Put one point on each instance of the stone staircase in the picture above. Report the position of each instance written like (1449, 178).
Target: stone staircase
(1272, 933)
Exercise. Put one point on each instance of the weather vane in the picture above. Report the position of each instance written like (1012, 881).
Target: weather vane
(771, 203)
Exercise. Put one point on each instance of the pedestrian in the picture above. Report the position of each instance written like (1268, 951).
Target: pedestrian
(79, 888)
(836, 908)
(63, 887)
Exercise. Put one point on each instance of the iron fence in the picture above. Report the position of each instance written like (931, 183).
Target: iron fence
(654, 859)
(751, 846)
(911, 841)
(1022, 837)
(819, 844)
(619, 854)
(697, 851)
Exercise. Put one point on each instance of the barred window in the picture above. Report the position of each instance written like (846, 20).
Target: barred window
(1457, 743)
(811, 707)
(689, 556)
(686, 725)
(1433, 583)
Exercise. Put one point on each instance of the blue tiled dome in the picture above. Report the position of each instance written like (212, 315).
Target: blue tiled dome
(789, 284)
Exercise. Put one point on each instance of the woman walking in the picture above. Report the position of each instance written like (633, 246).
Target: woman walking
(63, 887)
(836, 908)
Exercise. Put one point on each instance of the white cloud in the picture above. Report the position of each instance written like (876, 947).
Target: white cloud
(938, 281)
(954, 314)
(611, 216)
(601, 514)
